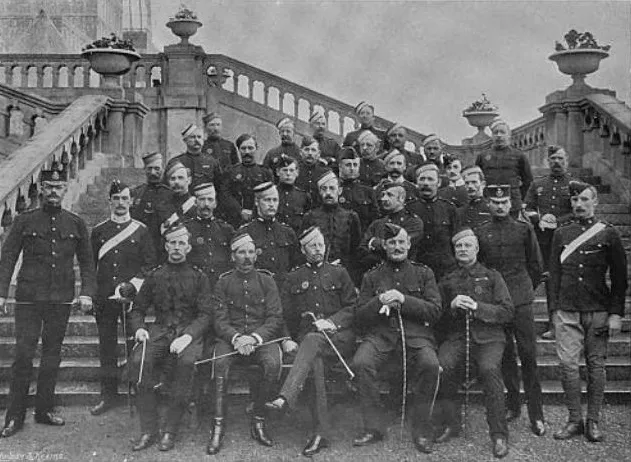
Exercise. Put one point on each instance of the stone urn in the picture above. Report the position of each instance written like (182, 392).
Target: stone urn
(184, 28)
(578, 62)
(480, 119)
(111, 63)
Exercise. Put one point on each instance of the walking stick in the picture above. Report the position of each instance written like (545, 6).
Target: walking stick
(351, 374)
(232, 353)
(404, 357)
(465, 408)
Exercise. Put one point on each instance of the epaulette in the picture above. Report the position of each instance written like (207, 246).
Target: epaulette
(376, 267)
(444, 199)
(418, 263)
(265, 271)
(101, 223)
(296, 268)
(225, 274)
(138, 222)
(298, 188)
(155, 268)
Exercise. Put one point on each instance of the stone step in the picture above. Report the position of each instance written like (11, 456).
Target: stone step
(72, 347)
(612, 208)
(618, 346)
(78, 325)
(618, 368)
(617, 219)
(541, 323)
(540, 305)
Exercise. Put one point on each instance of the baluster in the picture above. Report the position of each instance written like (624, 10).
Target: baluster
(55, 75)
(265, 95)
(40, 77)
(296, 108)
(250, 88)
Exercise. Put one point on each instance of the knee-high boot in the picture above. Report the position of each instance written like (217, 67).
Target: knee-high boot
(219, 426)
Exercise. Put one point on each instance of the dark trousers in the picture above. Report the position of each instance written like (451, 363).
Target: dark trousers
(422, 373)
(269, 357)
(107, 316)
(31, 320)
(545, 244)
(181, 370)
(488, 359)
(313, 353)
(523, 330)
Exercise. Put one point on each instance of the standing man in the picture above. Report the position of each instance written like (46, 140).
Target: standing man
(124, 254)
(326, 291)
(294, 202)
(204, 167)
(372, 169)
(433, 149)
(397, 136)
(510, 247)
(355, 195)
(454, 191)
(366, 115)
(586, 310)
(439, 220)
(184, 307)
(504, 164)
(398, 305)
(329, 148)
(395, 169)
(287, 146)
(182, 203)
(152, 201)
(481, 293)
(310, 168)
(548, 206)
(221, 149)
(49, 238)
(340, 226)
(250, 314)
(476, 211)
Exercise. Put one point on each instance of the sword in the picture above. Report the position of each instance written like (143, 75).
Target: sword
(142, 360)
(404, 358)
(124, 304)
(465, 408)
(232, 353)
(351, 374)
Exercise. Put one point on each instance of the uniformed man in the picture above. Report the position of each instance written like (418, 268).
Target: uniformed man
(340, 226)
(398, 305)
(239, 180)
(366, 115)
(479, 292)
(204, 167)
(287, 146)
(180, 296)
(152, 201)
(504, 164)
(210, 236)
(510, 247)
(586, 310)
(310, 168)
(182, 203)
(392, 202)
(329, 148)
(277, 242)
(250, 314)
(395, 170)
(49, 238)
(548, 206)
(439, 220)
(124, 254)
(476, 211)
(397, 137)
(454, 191)
(294, 202)
(433, 151)
(214, 145)
(326, 291)
(372, 169)
(355, 195)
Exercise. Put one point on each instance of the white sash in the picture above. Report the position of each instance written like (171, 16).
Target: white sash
(117, 239)
(186, 206)
(580, 240)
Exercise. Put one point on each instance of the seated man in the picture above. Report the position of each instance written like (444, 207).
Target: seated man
(483, 293)
(322, 291)
(181, 297)
(398, 305)
(250, 314)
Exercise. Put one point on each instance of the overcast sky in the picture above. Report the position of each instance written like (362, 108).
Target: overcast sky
(420, 63)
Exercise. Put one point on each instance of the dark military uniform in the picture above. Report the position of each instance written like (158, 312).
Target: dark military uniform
(360, 198)
(308, 176)
(182, 207)
(487, 340)
(371, 172)
(582, 302)
(237, 189)
(293, 203)
(117, 261)
(372, 254)
(272, 157)
(411, 190)
(475, 213)
(328, 292)
(329, 150)
(439, 220)
(223, 150)
(210, 241)
(49, 238)
(279, 246)
(510, 247)
(507, 166)
(351, 138)
(250, 306)
(382, 336)
(204, 168)
(152, 205)
(181, 298)
(457, 195)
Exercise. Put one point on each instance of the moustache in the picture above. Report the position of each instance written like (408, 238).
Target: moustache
(425, 188)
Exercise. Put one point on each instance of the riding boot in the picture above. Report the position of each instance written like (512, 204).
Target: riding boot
(219, 426)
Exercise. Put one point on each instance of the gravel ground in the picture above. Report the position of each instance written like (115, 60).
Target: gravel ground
(107, 438)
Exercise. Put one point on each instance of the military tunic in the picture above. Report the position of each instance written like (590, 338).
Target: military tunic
(475, 213)
(152, 205)
(273, 155)
(293, 203)
(223, 150)
(237, 189)
(204, 168)
(308, 176)
(411, 191)
(329, 150)
(371, 172)
(351, 138)
(360, 198)
(457, 195)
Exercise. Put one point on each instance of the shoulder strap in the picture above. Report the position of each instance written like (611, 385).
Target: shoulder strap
(118, 238)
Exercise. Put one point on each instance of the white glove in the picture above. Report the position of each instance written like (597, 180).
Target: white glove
(464, 302)
(142, 335)
(178, 345)
(548, 221)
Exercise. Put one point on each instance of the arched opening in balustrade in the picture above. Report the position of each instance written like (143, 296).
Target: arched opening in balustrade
(273, 98)
(229, 84)
(47, 77)
(31, 77)
(95, 79)
(258, 92)
(16, 76)
(39, 122)
(156, 76)
(243, 89)
(3, 77)
(16, 121)
(289, 104)
(78, 77)
(304, 109)
(348, 125)
(63, 74)
(333, 122)
(73, 161)
(141, 78)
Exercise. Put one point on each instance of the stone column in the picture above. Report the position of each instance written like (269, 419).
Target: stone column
(574, 135)
(113, 140)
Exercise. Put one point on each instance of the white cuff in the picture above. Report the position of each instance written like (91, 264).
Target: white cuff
(234, 337)
(257, 337)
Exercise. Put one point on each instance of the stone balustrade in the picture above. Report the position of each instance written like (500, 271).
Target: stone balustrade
(531, 138)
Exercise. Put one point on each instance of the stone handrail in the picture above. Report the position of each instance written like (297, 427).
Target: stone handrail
(68, 140)
(531, 138)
